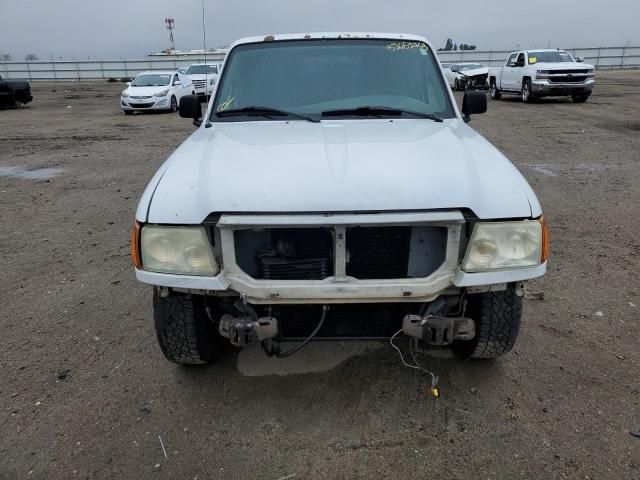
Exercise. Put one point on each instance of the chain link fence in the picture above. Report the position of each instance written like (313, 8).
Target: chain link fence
(601, 57)
(98, 69)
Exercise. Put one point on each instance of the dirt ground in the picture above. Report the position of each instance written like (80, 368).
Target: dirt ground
(86, 393)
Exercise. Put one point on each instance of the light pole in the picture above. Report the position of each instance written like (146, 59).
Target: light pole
(170, 23)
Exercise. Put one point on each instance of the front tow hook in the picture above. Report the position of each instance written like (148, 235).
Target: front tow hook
(242, 331)
(439, 331)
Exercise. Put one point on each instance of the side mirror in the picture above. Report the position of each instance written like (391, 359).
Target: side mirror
(190, 108)
(580, 59)
(177, 82)
(474, 102)
(128, 84)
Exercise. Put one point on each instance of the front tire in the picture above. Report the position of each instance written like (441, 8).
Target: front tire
(494, 93)
(498, 316)
(128, 112)
(527, 95)
(174, 105)
(185, 333)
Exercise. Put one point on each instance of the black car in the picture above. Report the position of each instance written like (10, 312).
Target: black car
(13, 92)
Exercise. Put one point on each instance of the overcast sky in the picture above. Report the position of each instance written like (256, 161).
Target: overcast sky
(132, 28)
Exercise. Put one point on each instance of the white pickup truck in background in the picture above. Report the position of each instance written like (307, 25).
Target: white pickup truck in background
(542, 73)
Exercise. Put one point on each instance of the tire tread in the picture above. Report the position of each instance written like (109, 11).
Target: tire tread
(499, 315)
(184, 331)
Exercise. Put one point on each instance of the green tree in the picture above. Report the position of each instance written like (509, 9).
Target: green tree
(452, 47)
(448, 47)
(31, 57)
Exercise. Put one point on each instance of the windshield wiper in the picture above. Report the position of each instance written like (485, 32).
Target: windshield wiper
(264, 112)
(374, 111)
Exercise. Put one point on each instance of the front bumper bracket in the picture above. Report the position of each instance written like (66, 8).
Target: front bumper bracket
(438, 331)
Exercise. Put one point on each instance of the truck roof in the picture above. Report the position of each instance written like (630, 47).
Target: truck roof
(540, 50)
(329, 35)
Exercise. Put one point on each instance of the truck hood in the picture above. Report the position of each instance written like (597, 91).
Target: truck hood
(564, 66)
(16, 83)
(335, 166)
(202, 76)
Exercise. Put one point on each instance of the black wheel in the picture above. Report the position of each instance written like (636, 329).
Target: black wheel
(16, 99)
(494, 93)
(497, 316)
(185, 333)
(580, 98)
(174, 105)
(456, 86)
(128, 112)
(527, 94)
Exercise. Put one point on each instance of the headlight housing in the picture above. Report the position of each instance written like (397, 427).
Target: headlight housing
(180, 250)
(125, 94)
(162, 93)
(506, 245)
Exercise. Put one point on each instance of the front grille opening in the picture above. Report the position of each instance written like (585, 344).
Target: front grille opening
(343, 321)
(285, 253)
(395, 252)
(568, 79)
(566, 72)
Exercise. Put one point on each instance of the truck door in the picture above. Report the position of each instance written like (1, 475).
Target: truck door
(518, 72)
(509, 73)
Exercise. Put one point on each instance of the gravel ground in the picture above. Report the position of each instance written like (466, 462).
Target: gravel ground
(86, 393)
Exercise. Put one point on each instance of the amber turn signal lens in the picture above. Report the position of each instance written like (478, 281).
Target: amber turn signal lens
(545, 240)
(136, 258)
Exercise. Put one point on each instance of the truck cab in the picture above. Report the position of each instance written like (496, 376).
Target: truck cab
(534, 74)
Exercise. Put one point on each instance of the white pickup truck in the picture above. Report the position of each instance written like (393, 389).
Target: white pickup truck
(333, 190)
(542, 73)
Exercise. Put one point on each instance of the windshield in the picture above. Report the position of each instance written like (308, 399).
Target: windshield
(313, 76)
(152, 80)
(470, 66)
(202, 69)
(559, 56)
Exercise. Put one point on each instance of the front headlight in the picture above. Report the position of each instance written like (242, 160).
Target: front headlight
(505, 245)
(125, 94)
(162, 93)
(182, 250)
